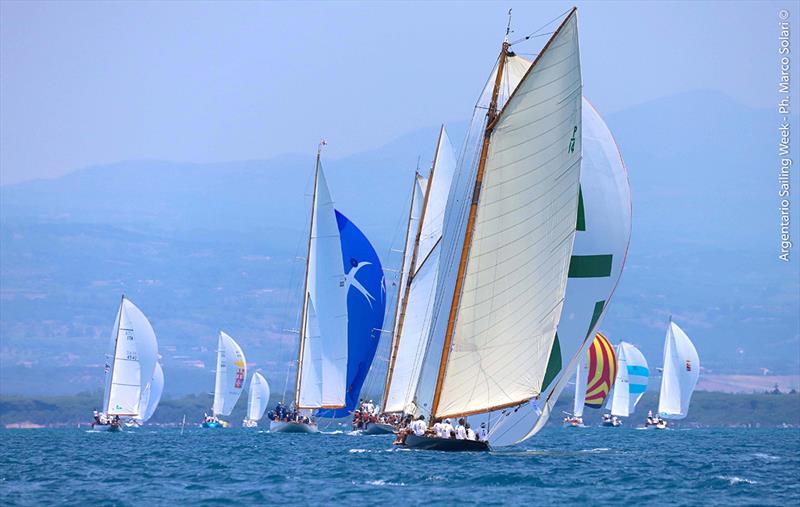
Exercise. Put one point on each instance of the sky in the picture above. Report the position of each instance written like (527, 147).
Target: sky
(92, 83)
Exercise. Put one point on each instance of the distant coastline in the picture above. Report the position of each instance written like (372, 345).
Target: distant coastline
(708, 409)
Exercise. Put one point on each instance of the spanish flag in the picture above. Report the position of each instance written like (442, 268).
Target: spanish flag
(602, 371)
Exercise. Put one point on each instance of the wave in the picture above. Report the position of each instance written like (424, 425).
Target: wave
(735, 480)
(381, 482)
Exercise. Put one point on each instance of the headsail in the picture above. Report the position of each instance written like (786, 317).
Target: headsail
(581, 375)
(231, 372)
(258, 398)
(514, 267)
(154, 391)
(681, 371)
(631, 382)
(413, 324)
(326, 293)
(133, 361)
(366, 305)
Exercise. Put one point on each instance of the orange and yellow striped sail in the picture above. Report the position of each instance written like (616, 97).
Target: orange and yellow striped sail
(602, 371)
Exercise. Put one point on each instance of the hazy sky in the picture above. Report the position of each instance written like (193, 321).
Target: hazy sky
(90, 83)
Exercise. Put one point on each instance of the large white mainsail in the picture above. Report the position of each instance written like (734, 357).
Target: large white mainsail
(503, 320)
(598, 258)
(152, 396)
(581, 376)
(258, 397)
(133, 358)
(231, 372)
(631, 381)
(322, 384)
(412, 326)
(681, 371)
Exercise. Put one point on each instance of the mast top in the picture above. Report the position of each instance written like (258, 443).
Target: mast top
(322, 142)
(508, 27)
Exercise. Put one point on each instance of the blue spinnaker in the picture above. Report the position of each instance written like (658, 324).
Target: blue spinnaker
(366, 305)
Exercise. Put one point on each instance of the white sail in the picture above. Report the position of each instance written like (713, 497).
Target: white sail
(631, 382)
(133, 361)
(581, 377)
(518, 260)
(603, 234)
(231, 372)
(258, 397)
(681, 371)
(327, 295)
(310, 395)
(416, 320)
(153, 394)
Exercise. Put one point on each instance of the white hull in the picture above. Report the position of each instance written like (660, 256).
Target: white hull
(292, 427)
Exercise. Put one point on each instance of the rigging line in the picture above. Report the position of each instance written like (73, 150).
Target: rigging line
(535, 32)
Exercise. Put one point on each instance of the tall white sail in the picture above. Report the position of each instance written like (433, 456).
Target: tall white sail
(133, 361)
(310, 395)
(258, 397)
(414, 322)
(581, 377)
(598, 258)
(681, 371)
(153, 394)
(327, 295)
(231, 372)
(631, 381)
(517, 264)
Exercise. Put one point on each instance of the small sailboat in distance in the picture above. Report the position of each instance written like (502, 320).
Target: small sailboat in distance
(679, 377)
(631, 381)
(230, 374)
(575, 419)
(130, 367)
(257, 400)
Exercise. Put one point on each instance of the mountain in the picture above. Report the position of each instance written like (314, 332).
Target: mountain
(204, 247)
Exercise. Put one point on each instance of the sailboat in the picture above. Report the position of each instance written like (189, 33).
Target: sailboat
(132, 360)
(230, 374)
(575, 419)
(416, 287)
(150, 398)
(593, 379)
(509, 228)
(257, 400)
(630, 384)
(321, 378)
(679, 378)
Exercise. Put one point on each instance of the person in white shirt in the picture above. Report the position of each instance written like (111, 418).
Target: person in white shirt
(447, 429)
(438, 428)
(461, 431)
(482, 436)
(470, 433)
(419, 426)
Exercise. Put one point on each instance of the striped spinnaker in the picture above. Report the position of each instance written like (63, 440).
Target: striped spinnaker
(602, 371)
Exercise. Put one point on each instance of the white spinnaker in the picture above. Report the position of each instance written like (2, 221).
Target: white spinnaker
(258, 397)
(310, 395)
(681, 371)
(328, 293)
(231, 372)
(581, 377)
(134, 360)
(517, 266)
(618, 402)
(606, 200)
(154, 391)
(418, 309)
(454, 225)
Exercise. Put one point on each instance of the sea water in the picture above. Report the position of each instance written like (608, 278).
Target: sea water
(623, 466)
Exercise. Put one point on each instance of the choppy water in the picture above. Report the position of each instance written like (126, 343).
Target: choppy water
(558, 466)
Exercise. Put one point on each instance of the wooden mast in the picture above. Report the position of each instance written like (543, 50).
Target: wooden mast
(476, 193)
(412, 267)
(305, 284)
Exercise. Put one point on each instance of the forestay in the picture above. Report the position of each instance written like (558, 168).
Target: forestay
(517, 263)
(133, 355)
(231, 372)
(681, 371)
(258, 397)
